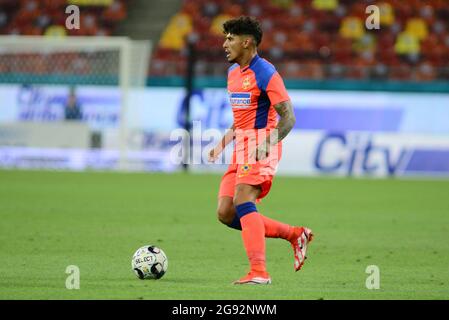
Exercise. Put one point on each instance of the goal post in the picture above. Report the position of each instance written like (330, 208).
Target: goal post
(118, 64)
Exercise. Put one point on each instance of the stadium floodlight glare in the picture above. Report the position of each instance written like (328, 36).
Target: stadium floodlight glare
(72, 61)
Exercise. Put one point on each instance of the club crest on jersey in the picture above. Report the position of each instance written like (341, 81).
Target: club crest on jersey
(246, 83)
(244, 170)
(240, 99)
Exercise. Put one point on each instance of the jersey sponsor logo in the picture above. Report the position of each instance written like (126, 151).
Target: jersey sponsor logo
(240, 99)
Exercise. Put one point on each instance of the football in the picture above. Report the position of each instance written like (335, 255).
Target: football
(149, 262)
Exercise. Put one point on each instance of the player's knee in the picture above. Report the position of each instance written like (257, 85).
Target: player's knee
(246, 193)
(225, 215)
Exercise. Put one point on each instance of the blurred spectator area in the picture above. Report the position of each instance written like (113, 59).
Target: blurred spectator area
(48, 17)
(317, 39)
(305, 39)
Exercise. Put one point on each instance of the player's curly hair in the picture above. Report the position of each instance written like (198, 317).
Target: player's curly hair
(244, 26)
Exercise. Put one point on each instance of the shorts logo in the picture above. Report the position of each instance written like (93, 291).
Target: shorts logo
(240, 99)
(246, 83)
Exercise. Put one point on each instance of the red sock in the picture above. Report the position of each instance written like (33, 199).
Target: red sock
(276, 229)
(253, 235)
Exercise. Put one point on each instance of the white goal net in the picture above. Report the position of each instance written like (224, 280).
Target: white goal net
(65, 102)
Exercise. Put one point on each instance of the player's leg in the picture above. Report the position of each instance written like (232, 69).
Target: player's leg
(299, 237)
(277, 229)
(226, 212)
(250, 175)
(253, 233)
(262, 174)
(227, 215)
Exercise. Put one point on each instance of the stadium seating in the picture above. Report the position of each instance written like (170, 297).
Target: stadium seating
(322, 38)
(47, 17)
(306, 39)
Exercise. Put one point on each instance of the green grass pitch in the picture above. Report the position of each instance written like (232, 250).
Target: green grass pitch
(50, 220)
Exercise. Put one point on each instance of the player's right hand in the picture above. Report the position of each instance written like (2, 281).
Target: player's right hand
(213, 155)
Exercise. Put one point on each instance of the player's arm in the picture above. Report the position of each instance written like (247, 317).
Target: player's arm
(285, 125)
(227, 138)
(281, 103)
(286, 122)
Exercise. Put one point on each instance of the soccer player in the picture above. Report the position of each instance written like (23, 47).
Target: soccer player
(257, 96)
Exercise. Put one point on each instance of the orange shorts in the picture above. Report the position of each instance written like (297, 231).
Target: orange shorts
(260, 174)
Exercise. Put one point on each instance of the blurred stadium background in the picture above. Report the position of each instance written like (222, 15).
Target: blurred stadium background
(368, 102)
(110, 95)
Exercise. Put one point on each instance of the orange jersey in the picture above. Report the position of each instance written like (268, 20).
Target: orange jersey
(253, 90)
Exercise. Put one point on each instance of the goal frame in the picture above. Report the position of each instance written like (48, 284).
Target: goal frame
(129, 50)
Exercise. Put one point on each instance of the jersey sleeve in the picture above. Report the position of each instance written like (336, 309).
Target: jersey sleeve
(276, 90)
